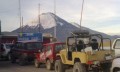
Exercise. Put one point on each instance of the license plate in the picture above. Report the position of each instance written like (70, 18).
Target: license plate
(108, 57)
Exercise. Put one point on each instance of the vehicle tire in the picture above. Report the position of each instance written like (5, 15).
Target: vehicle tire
(106, 70)
(78, 67)
(13, 59)
(116, 70)
(36, 63)
(22, 61)
(59, 67)
(95, 70)
(48, 65)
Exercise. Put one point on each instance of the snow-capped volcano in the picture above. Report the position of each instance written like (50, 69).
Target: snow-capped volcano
(47, 20)
(47, 24)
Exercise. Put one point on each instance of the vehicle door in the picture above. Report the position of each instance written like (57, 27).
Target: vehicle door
(71, 44)
(18, 49)
(42, 53)
(116, 46)
(49, 53)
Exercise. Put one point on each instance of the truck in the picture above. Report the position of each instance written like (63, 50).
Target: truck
(27, 44)
(48, 54)
(85, 52)
(23, 52)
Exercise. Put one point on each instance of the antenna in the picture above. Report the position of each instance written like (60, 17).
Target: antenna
(22, 24)
(55, 19)
(81, 15)
(0, 28)
(39, 16)
(20, 13)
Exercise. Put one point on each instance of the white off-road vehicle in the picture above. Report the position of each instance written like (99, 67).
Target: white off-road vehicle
(116, 62)
(6, 50)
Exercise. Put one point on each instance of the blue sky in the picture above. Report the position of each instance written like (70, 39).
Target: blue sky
(99, 15)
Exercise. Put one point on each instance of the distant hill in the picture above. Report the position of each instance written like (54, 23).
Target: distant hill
(63, 28)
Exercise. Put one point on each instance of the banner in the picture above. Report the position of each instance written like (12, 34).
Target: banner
(30, 37)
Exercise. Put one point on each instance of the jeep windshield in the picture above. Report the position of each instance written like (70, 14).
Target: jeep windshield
(35, 45)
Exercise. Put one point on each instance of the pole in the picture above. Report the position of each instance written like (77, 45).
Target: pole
(0, 27)
(22, 24)
(81, 15)
(0, 34)
(20, 14)
(55, 19)
(39, 16)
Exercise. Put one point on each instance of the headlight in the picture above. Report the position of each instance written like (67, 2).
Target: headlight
(96, 62)
(25, 54)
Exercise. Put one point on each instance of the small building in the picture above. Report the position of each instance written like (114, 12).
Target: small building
(8, 37)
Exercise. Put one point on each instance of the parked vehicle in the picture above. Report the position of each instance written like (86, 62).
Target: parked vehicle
(48, 54)
(23, 52)
(85, 52)
(1, 50)
(116, 62)
(27, 45)
(5, 50)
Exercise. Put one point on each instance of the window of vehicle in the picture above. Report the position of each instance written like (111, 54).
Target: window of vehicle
(35, 45)
(43, 48)
(20, 45)
(59, 47)
(117, 44)
(8, 46)
(48, 48)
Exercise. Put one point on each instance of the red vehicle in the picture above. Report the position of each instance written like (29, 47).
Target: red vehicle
(48, 54)
(23, 52)
(26, 46)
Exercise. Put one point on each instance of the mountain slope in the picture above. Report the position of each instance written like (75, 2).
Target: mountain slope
(47, 24)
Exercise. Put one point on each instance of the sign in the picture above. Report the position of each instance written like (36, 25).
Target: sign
(30, 37)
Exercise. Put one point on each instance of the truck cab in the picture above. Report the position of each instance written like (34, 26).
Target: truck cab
(48, 54)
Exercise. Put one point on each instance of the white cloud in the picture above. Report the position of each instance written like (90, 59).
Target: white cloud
(110, 29)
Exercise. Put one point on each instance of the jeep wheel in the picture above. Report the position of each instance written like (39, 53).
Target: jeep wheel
(22, 61)
(59, 66)
(78, 67)
(48, 65)
(37, 64)
(116, 70)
